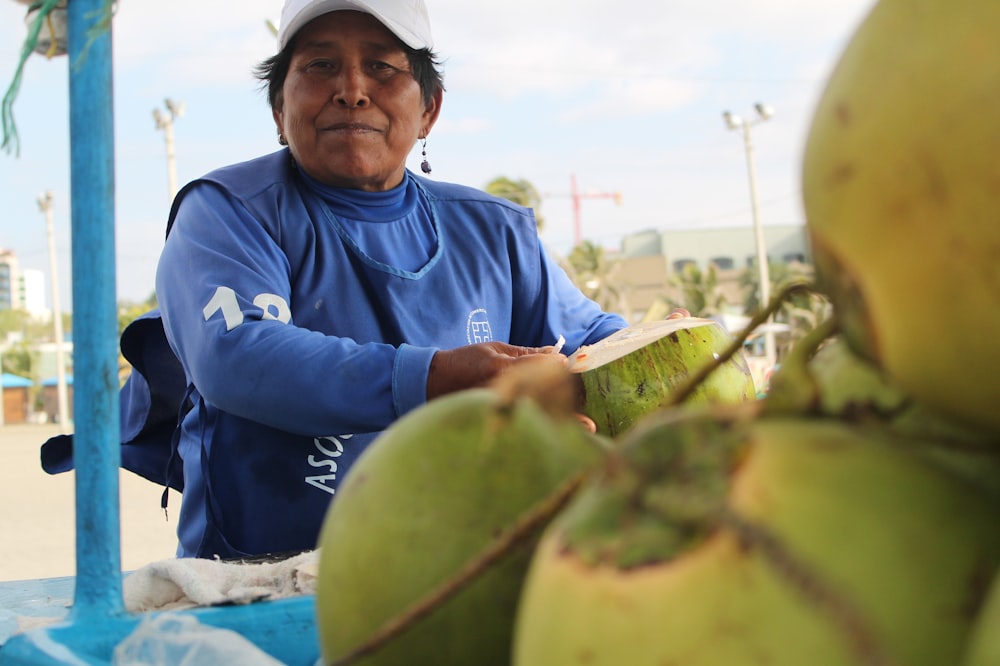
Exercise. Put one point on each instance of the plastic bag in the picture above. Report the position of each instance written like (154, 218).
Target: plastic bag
(180, 640)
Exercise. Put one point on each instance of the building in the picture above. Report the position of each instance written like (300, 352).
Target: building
(33, 294)
(642, 281)
(724, 247)
(16, 399)
(21, 289)
(648, 259)
(49, 397)
(10, 281)
(649, 262)
(47, 357)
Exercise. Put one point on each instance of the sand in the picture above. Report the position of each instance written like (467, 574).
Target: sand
(38, 520)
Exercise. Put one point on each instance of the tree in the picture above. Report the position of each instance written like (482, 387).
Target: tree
(22, 325)
(595, 275)
(18, 360)
(13, 321)
(19, 332)
(128, 312)
(520, 192)
(802, 312)
(700, 292)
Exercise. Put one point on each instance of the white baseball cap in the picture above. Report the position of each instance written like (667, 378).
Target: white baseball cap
(407, 19)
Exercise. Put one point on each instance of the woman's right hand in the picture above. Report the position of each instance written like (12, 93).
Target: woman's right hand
(474, 365)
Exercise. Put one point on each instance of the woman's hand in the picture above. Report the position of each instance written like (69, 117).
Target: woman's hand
(587, 422)
(474, 365)
(477, 365)
(678, 313)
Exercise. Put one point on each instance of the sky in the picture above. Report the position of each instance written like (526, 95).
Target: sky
(624, 97)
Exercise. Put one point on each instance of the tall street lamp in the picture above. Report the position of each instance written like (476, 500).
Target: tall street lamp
(165, 122)
(62, 397)
(763, 112)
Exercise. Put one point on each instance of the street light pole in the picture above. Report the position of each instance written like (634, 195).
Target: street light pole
(45, 205)
(165, 122)
(733, 122)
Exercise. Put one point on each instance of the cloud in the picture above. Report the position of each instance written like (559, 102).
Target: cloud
(633, 55)
(625, 95)
(633, 98)
(464, 125)
(197, 43)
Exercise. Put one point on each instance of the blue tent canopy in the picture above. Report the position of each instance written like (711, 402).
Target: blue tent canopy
(53, 381)
(15, 381)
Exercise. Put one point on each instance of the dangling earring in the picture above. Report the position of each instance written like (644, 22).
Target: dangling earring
(282, 140)
(425, 166)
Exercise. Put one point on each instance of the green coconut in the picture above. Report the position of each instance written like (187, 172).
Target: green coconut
(632, 373)
(713, 540)
(900, 188)
(441, 485)
(983, 648)
(846, 386)
(852, 387)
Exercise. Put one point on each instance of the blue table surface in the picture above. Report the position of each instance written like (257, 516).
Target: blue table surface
(284, 628)
(25, 603)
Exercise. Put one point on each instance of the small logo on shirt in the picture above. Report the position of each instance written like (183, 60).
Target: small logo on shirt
(477, 329)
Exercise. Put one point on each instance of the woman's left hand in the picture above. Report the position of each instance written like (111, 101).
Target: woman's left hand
(587, 422)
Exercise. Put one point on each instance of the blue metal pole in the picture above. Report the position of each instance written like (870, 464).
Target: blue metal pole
(95, 328)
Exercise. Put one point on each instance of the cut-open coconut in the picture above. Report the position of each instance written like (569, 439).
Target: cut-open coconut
(630, 374)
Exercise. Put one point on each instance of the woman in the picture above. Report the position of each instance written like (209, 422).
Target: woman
(316, 294)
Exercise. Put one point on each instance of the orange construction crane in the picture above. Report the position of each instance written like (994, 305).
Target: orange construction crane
(577, 196)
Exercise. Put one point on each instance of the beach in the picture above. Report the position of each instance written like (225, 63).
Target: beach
(38, 520)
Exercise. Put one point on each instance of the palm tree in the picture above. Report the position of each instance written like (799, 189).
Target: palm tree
(699, 290)
(595, 275)
(520, 192)
(129, 311)
(801, 312)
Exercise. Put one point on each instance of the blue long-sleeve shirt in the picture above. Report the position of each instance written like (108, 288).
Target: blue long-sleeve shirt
(303, 337)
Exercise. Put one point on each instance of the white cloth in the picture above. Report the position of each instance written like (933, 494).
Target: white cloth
(189, 582)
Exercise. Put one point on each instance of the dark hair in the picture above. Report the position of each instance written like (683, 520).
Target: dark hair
(424, 65)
